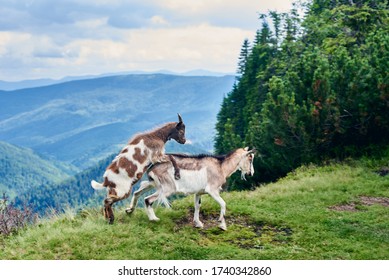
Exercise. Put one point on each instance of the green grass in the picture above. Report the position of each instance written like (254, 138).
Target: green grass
(289, 219)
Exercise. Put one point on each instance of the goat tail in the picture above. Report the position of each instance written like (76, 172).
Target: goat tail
(162, 199)
(96, 185)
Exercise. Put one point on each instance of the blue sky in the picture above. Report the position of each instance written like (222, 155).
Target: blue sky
(54, 39)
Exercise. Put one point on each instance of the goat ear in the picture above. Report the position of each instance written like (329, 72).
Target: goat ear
(179, 118)
(252, 151)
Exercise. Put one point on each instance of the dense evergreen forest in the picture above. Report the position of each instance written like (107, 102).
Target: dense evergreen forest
(22, 170)
(312, 86)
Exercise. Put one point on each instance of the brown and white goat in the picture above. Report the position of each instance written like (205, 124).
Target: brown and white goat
(129, 165)
(203, 174)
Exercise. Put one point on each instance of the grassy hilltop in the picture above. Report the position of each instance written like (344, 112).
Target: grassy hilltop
(336, 211)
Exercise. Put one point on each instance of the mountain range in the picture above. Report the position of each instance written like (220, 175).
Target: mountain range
(15, 85)
(83, 121)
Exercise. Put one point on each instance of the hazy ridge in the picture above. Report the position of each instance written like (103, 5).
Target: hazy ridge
(81, 122)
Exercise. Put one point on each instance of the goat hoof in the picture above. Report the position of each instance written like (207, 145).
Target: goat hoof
(223, 227)
(177, 176)
(130, 210)
(199, 225)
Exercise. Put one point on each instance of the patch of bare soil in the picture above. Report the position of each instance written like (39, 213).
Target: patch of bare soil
(368, 200)
(351, 207)
(364, 201)
(242, 231)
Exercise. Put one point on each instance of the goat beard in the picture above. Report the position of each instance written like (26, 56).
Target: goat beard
(242, 176)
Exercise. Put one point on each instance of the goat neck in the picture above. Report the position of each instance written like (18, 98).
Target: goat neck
(164, 132)
(231, 163)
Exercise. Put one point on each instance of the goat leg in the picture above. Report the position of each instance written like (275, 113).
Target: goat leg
(108, 212)
(167, 158)
(177, 175)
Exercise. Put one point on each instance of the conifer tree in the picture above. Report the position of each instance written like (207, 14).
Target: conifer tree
(244, 54)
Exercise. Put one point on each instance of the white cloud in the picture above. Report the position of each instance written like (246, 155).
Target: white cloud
(181, 49)
(72, 37)
(187, 48)
(159, 21)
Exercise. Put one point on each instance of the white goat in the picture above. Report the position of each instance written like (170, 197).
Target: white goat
(199, 175)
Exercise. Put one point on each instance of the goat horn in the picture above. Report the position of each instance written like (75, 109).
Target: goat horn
(179, 118)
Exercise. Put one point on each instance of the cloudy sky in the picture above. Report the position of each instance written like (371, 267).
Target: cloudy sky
(58, 38)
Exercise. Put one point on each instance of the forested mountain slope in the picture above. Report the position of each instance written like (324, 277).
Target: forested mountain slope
(21, 170)
(311, 88)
